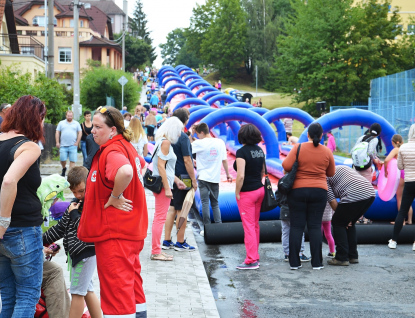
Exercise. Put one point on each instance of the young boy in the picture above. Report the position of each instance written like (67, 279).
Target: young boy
(81, 255)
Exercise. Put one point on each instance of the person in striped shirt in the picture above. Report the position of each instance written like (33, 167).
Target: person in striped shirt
(356, 195)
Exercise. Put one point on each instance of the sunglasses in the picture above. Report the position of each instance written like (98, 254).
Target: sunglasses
(104, 110)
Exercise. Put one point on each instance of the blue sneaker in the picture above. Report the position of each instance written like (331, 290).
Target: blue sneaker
(167, 245)
(254, 265)
(183, 247)
(304, 258)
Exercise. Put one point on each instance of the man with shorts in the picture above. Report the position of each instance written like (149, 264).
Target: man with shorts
(68, 136)
(184, 166)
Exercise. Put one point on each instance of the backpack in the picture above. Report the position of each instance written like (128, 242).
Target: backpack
(360, 157)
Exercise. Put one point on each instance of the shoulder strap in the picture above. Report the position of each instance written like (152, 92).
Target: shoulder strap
(265, 166)
(83, 128)
(16, 146)
(154, 153)
(298, 152)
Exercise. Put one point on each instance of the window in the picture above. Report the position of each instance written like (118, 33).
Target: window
(28, 50)
(71, 24)
(63, 23)
(40, 21)
(112, 20)
(65, 55)
(411, 29)
(31, 32)
(42, 33)
(81, 23)
(19, 32)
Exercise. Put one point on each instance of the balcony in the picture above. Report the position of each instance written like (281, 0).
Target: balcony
(21, 44)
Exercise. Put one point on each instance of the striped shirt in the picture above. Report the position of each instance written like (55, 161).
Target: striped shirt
(348, 186)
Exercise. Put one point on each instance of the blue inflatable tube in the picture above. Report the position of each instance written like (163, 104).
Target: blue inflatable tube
(199, 115)
(186, 73)
(200, 83)
(260, 111)
(233, 113)
(235, 104)
(222, 97)
(190, 102)
(205, 89)
(174, 78)
(186, 92)
(359, 117)
(289, 112)
(193, 76)
(211, 94)
(167, 74)
(174, 86)
(198, 107)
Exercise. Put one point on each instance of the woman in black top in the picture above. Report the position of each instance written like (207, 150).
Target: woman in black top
(86, 131)
(21, 250)
(249, 190)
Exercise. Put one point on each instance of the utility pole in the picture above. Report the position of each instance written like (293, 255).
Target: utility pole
(125, 9)
(46, 37)
(256, 79)
(76, 107)
(51, 37)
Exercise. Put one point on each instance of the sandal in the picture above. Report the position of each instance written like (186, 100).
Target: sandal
(161, 257)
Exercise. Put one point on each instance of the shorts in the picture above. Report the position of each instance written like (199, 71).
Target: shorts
(178, 198)
(68, 151)
(81, 282)
(150, 131)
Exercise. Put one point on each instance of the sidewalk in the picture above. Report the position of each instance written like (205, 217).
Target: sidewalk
(173, 289)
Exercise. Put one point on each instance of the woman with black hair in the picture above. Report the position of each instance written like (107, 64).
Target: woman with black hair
(249, 191)
(308, 196)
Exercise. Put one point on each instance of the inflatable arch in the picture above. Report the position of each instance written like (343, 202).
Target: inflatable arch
(177, 79)
(205, 89)
(359, 117)
(200, 83)
(238, 104)
(174, 86)
(193, 76)
(181, 67)
(238, 114)
(196, 108)
(167, 75)
(191, 101)
(164, 71)
(185, 73)
(260, 111)
(179, 91)
(211, 94)
(222, 97)
(282, 135)
(289, 112)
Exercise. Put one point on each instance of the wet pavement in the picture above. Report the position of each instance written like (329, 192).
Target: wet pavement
(381, 285)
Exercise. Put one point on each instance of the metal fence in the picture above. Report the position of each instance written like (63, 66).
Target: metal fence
(21, 44)
(393, 97)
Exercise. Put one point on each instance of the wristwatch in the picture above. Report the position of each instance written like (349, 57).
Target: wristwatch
(113, 196)
(5, 222)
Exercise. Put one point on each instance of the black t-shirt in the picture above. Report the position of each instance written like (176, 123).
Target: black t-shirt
(27, 208)
(182, 148)
(254, 162)
(85, 131)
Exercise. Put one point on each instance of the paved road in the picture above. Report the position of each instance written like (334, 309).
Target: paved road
(382, 285)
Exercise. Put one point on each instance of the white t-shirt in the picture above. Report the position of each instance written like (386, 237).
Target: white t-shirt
(209, 155)
(139, 146)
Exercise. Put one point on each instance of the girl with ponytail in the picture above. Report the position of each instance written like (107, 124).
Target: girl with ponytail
(308, 196)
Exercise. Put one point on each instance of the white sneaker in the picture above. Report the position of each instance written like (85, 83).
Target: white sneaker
(202, 233)
(413, 247)
(392, 244)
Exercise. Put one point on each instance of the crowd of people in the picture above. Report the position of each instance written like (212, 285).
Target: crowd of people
(106, 224)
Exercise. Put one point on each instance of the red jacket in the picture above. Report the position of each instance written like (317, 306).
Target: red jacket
(98, 224)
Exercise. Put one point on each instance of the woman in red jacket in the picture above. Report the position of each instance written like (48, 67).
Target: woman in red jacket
(115, 216)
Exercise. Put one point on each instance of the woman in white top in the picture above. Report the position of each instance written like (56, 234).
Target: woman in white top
(164, 163)
(139, 140)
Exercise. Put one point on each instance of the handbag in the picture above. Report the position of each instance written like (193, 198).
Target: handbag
(286, 182)
(153, 183)
(270, 201)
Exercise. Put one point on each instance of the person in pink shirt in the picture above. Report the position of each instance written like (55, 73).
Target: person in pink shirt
(331, 143)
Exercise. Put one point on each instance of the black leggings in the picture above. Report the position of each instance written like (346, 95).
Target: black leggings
(306, 207)
(408, 197)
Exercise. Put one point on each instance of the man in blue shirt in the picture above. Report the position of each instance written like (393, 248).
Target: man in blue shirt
(154, 100)
(68, 136)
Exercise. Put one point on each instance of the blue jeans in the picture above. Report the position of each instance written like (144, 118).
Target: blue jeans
(209, 190)
(83, 149)
(21, 270)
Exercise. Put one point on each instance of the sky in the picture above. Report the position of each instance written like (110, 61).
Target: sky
(163, 16)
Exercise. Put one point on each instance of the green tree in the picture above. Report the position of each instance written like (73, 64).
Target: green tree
(139, 29)
(331, 50)
(100, 82)
(14, 84)
(139, 53)
(224, 42)
(176, 50)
